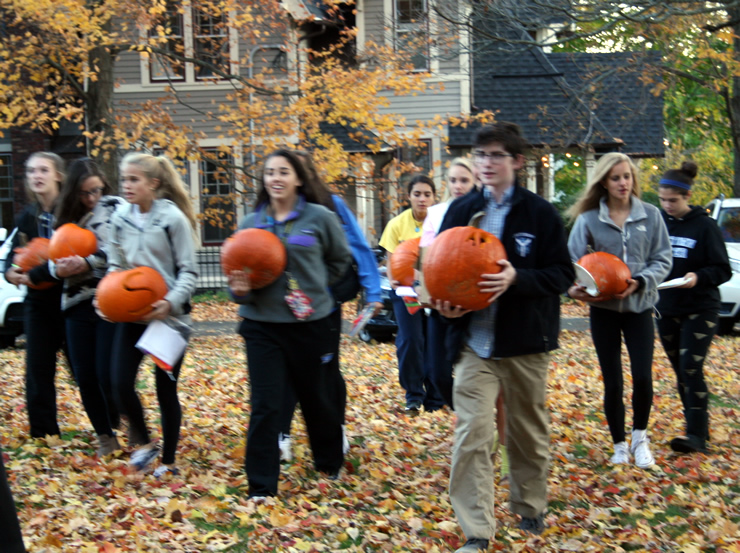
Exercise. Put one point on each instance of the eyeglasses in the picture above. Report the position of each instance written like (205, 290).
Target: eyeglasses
(495, 157)
(92, 193)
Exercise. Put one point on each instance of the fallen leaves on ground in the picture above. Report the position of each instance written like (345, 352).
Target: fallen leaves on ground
(392, 495)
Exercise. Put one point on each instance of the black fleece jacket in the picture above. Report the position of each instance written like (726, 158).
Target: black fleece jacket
(528, 316)
(28, 225)
(698, 247)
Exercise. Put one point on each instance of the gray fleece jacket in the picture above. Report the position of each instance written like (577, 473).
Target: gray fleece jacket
(643, 244)
(318, 256)
(164, 243)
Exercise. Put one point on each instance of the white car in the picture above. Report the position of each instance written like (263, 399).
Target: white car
(727, 214)
(11, 298)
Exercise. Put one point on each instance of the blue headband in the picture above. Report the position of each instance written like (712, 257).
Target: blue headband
(678, 183)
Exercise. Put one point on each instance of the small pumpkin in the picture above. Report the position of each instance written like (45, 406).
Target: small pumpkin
(257, 252)
(127, 296)
(69, 240)
(33, 254)
(404, 260)
(610, 273)
(454, 262)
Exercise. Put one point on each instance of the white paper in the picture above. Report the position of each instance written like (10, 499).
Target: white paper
(163, 342)
(406, 292)
(584, 278)
(674, 283)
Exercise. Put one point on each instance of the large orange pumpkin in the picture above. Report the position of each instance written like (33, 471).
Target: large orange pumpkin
(454, 262)
(33, 254)
(403, 261)
(71, 239)
(127, 296)
(610, 273)
(257, 252)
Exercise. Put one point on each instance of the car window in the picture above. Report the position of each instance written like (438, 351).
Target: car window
(729, 223)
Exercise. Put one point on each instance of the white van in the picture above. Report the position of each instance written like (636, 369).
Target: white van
(727, 214)
(11, 297)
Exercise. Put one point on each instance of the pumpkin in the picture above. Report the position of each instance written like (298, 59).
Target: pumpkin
(454, 262)
(69, 240)
(403, 261)
(33, 254)
(257, 252)
(127, 296)
(609, 272)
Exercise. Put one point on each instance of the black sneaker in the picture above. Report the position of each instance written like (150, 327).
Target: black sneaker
(533, 525)
(473, 545)
(413, 408)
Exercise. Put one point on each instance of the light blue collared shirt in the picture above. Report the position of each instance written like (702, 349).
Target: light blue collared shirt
(481, 337)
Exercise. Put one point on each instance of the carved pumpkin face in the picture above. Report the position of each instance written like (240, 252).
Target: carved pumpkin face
(127, 296)
(33, 254)
(257, 252)
(454, 263)
(609, 272)
(403, 261)
(69, 240)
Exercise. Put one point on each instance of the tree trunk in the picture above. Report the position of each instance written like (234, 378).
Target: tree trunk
(99, 113)
(734, 107)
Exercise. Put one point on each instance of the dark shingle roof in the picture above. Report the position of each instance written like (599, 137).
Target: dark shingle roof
(568, 99)
(352, 140)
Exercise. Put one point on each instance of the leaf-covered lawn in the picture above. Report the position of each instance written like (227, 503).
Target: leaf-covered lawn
(392, 495)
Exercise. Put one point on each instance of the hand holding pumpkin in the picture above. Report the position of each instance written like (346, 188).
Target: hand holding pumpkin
(72, 265)
(632, 285)
(160, 310)
(239, 282)
(498, 283)
(16, 276)
(446, 309)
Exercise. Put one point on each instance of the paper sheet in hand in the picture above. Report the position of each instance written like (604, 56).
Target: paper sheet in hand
(674, 283)
(163, 342)
(406, 292)
(584, 278)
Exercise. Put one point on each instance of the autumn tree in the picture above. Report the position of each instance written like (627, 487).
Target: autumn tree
(698, 42)
(59, 59)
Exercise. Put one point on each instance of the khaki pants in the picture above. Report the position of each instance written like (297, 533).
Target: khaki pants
(477, 385)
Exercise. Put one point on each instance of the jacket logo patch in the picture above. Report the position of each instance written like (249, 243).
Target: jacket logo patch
(643, 228)
(523, 242)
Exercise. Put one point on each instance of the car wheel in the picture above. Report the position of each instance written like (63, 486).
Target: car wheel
(726, 324)
(365, 335)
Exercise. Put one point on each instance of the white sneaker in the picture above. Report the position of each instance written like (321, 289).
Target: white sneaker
(621, 454)
(286, 450)
(345, 441)
(640, 448)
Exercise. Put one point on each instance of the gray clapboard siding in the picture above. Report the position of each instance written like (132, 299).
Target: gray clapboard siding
(425, 106)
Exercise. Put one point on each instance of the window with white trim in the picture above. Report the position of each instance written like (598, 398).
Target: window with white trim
(217, 197)
(193, 29)
(411, 22)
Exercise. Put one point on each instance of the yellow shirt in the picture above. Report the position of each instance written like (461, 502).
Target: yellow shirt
(401, 227)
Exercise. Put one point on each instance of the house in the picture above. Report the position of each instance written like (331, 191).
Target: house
(588, 103)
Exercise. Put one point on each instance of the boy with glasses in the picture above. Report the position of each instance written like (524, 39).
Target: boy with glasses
(505, 346)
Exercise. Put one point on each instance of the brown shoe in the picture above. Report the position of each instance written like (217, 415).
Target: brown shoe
(107, 445)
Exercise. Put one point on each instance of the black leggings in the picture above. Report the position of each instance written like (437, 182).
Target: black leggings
(125, 366)
(607, 328)
(686, 340)
(290, 399)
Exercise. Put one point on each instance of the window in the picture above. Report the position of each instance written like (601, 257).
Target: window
(412, 31)
(193, 29)
(6, 191)
(211, 43)
(162, 67)
(217, 198)
(415, 160)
